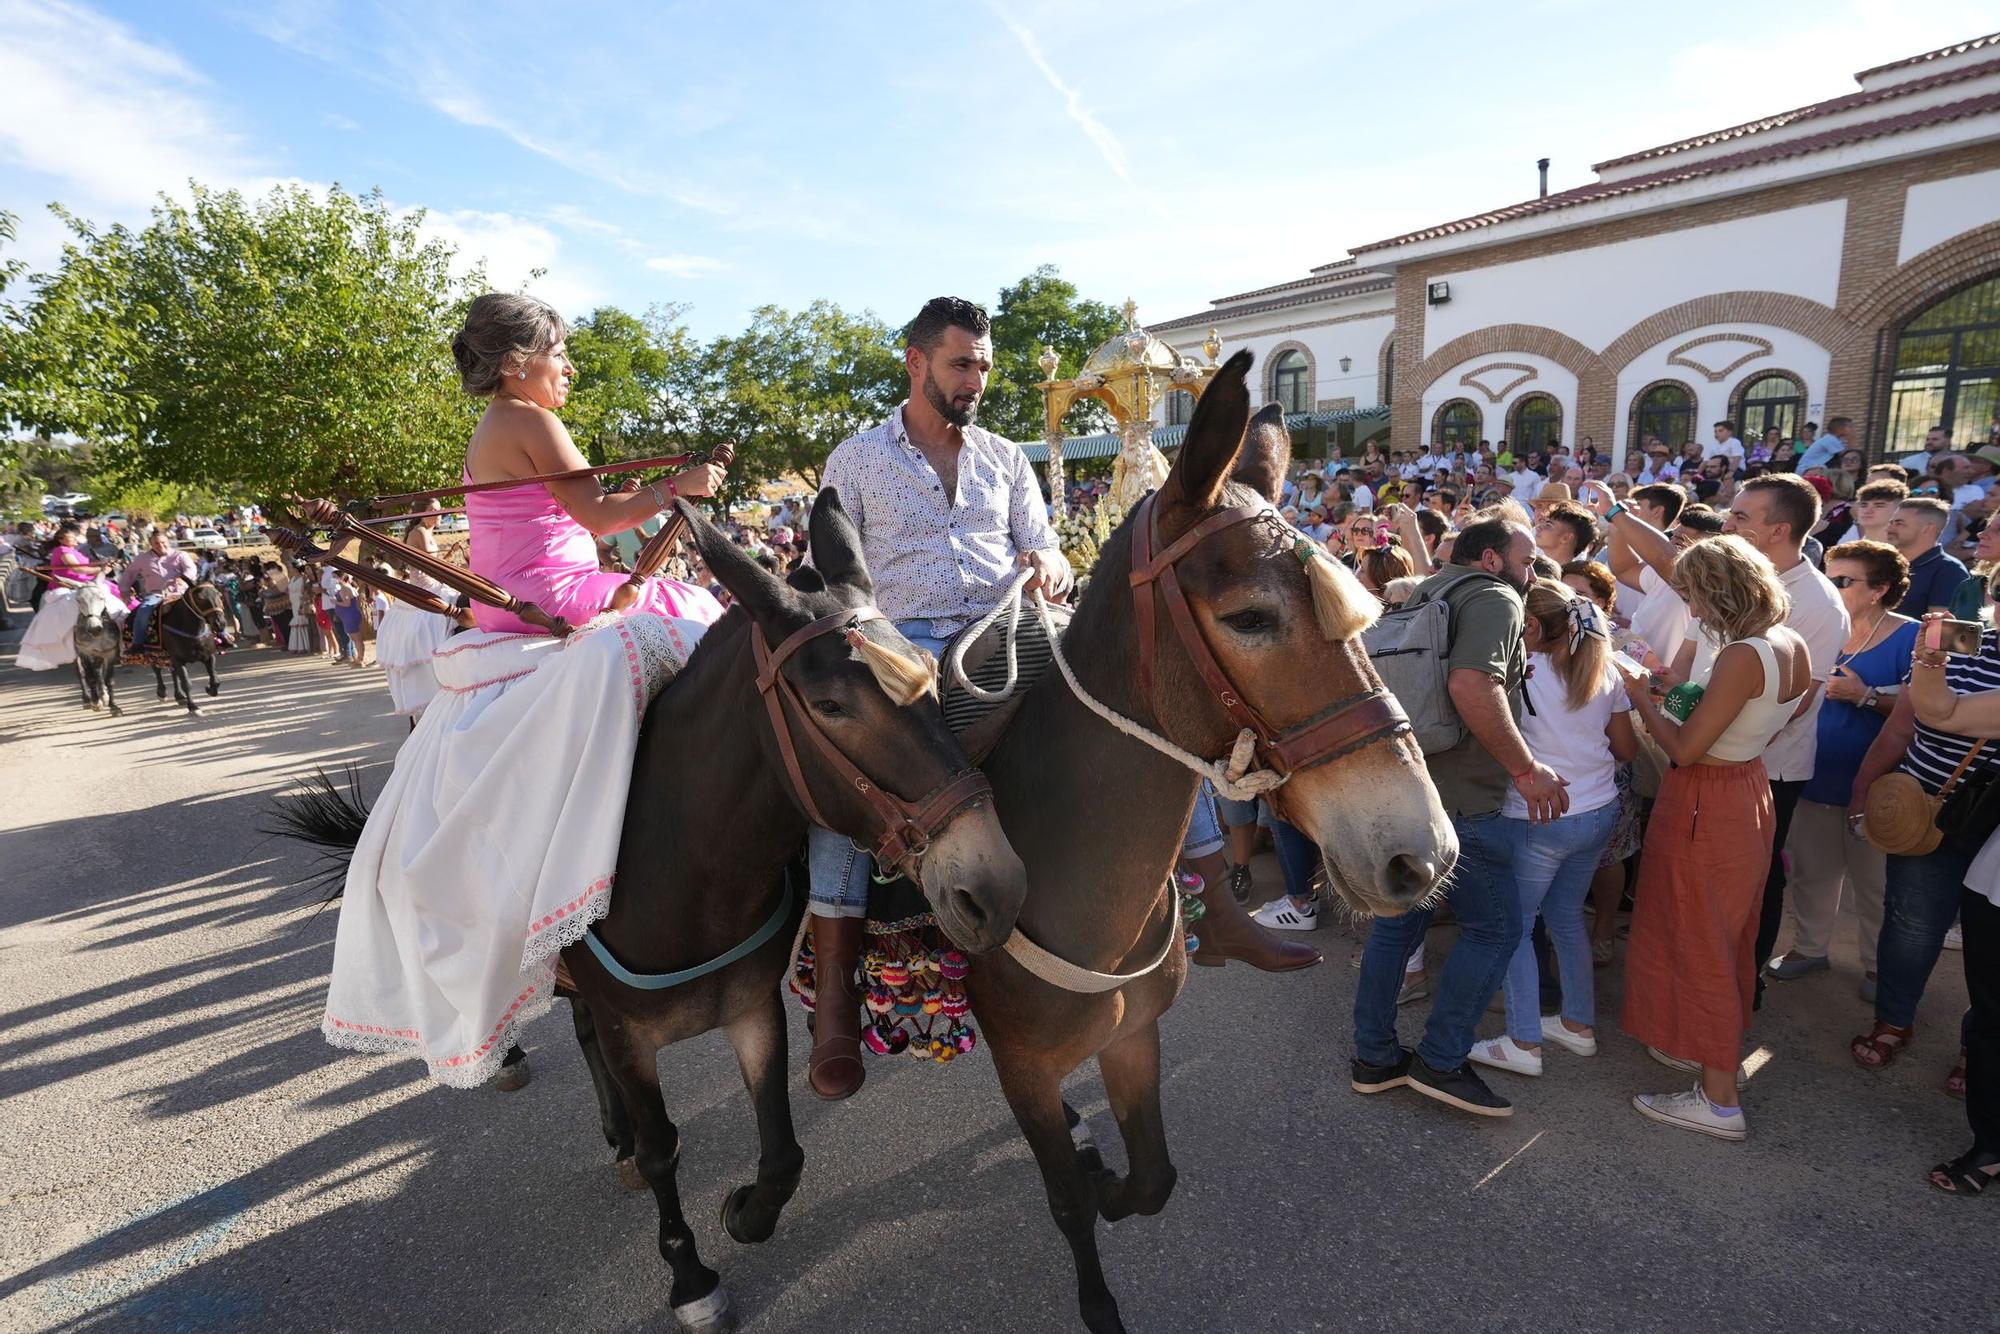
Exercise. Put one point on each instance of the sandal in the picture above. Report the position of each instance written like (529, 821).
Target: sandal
(1879, 1047)
(1966, 1174)
(1954, 1083)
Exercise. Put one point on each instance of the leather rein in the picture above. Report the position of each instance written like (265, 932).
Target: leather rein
(1341, 728)
(907, 827)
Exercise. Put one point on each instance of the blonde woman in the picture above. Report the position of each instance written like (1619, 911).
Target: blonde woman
(1691, 966)
(1576, 720)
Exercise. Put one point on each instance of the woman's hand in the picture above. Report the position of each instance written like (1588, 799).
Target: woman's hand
(1843, 685)
(700, 479)
(1920, 653)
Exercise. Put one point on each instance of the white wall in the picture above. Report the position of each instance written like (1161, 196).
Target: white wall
(1936, 211)
(1357, 339)
(1597, 294)
(1548, 378)
(1789, 352)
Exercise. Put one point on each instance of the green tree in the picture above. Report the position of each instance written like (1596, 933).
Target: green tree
(1043, 310)
(792, 386)
(18, 484)
(294, 344)
(632, 375)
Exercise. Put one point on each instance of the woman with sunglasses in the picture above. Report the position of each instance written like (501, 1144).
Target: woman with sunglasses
(1860, 694)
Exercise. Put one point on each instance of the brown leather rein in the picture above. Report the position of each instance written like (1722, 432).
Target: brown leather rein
(907, 827)
(1341, 728)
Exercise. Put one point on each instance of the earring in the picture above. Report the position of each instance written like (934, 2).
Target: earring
(524, 375)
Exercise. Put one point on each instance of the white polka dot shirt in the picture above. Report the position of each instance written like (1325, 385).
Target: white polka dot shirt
(933, 557)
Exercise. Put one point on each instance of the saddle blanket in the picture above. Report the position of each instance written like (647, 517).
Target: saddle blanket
(494, 843)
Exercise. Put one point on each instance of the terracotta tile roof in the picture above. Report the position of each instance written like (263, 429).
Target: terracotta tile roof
(1838, 137)
(1848, 102)
(1217, 314)
(1990, 39)
(1318, 277)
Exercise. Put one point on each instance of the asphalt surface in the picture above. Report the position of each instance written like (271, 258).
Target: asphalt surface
(182, 1151)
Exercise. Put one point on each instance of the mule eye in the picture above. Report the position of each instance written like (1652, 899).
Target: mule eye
(828, 708)
(1250, 621)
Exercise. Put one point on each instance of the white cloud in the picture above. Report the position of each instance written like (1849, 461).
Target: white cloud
(685, 266)
(115, 118)
(1099, 134)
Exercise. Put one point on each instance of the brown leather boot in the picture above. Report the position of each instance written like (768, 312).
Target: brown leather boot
(1227, 932)
(836, 1071)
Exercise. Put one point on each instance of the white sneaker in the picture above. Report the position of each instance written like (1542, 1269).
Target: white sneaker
(1690, 1067)
(1952, 939)
(1691, 1111)
(1282, 914)
(1553, 1031)
(1503, 1053)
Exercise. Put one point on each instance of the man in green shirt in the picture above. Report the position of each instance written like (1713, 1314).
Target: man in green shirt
(1490, 571)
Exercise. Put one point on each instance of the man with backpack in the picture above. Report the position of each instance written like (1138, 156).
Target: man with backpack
(1463, 694)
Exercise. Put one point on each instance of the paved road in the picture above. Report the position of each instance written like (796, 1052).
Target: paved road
(182, 1151)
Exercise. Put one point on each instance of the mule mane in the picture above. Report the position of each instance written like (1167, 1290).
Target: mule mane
(904, 678)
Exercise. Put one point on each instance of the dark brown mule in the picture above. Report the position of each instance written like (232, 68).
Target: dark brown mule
(1098, 816)
(711, 824)
(192, 627)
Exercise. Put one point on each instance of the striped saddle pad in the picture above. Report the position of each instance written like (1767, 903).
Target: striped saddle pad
(986, 665)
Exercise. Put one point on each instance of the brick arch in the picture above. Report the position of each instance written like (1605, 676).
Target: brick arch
(1632, 408)
(1748, 378)
(1859, 384)
(1385, 367)
(1780, 310)
(1271, 371)
(1536, 339)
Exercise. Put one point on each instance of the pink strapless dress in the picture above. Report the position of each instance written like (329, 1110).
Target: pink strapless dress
(524, 541)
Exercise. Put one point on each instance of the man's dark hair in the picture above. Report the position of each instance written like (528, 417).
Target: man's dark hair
(1884, 488)
(1670, 498)
(1834, 423)
(1581, 523)
(926, 331)
(1793, 502)
(1701, 519)
(1450, 496)
(1728, 424)
(1433, 526)
(1481, 536)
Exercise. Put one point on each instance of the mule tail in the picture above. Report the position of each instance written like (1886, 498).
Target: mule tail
(328, 818)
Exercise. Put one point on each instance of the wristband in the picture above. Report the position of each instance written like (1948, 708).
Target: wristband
(1617, 508)
(653, 490)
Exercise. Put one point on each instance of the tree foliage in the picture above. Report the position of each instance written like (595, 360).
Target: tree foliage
(634, 384)
(1043, 310)
(297, 343)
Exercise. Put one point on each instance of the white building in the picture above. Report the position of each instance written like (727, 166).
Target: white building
(1841, 259)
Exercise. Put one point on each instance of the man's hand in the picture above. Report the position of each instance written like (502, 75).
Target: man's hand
(1051, 574)
(1545, 791)
(1597, 497)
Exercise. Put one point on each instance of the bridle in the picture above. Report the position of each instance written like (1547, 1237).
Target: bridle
(907, 826)
(1344, 726)
(214, 618)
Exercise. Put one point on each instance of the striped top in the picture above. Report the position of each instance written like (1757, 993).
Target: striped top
(1933, 754)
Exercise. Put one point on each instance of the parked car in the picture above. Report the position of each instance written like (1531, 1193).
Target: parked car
(207, 539)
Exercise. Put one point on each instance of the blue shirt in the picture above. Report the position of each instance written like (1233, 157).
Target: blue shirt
(1847, 730)
(1820, 453)
(1934, 576)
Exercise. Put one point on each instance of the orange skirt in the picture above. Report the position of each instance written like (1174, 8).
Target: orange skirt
(1691, 966)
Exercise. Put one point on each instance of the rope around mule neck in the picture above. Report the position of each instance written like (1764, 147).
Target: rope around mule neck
(1232, 775)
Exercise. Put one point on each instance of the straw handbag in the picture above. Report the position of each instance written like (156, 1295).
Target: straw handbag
(1901, 817)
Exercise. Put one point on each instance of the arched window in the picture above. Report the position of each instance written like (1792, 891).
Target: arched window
(1180, 407)
(1665, 410)
(1291, 381)
(1535, 423)
(1770, 402)
(1457, 424)
(1947, 367)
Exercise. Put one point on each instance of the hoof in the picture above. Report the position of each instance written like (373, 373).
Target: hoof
(117, 712)
(629, 1175)
(214, 690)
(710, 1315)
(513, 1078)
(732, 1213)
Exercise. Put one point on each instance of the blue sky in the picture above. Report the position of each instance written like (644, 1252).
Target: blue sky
(725, 156)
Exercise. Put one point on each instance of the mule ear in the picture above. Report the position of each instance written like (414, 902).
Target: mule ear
(1214, 437)
(762, 594)
(836, 545)
(1267, 453)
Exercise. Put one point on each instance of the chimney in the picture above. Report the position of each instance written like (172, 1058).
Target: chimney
(1542, 166)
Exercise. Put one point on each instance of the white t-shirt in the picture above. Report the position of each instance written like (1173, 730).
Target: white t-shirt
(1571, 742)
(1660, 617)
(1820, 618)
(1731, 449)
(1527, 484)
(1364, 499)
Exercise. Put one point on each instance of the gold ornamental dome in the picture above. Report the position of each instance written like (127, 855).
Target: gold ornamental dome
(1133, 348)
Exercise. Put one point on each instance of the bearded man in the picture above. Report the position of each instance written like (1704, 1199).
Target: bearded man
(949, 513)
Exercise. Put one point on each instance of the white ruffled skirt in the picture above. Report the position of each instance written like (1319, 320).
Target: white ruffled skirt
(404, 645)
(50, 640)
(495, 841)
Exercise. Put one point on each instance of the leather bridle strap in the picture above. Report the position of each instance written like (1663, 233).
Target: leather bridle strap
(1341, 728)
(907, 827)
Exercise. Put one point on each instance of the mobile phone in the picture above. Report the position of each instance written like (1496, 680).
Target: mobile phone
(1627, 660)
(1959, 637)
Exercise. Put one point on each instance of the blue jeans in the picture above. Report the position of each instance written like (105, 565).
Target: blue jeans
(1204, 831)
(1553, 867)
(1237, 814)
(1298, 858)
(1919, 901)
(1489, 929)
(142, 617)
